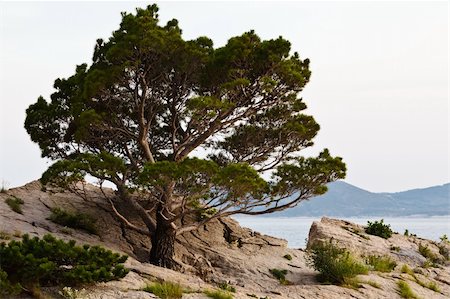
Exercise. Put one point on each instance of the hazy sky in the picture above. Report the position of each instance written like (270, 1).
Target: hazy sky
(379, 86)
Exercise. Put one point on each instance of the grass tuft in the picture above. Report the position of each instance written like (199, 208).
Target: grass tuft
(226, 287)
(405, 290)
(381, 263)
(165, 290)
(15, 204)
(433, 286)
(73, 220)
(218, 294)
(430, 285)
(406, 269)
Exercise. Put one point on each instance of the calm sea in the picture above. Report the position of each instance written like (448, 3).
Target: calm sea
(295, 229)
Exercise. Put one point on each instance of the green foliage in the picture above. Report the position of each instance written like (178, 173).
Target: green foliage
(280, 274)
(4, 235)
(15, 204)
(381, 263)
(299, 174)
(433, 258)
(218, 294)
(226, 287)
(430, 285)
(405, 290)
(428, 264)
(444, 238)
(6, 287)
(245, 91)
(288, 257)
(406, 233)
(379, 229)
(433, 286)
(49, 261)
(425, 251)
(395, 248)
(165, 290)
(73, 220)
(336, 265)
(444, 251)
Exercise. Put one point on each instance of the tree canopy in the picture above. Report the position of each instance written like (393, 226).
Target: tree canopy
(186, 132)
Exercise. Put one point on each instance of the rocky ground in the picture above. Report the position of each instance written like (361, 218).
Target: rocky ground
(222, 251)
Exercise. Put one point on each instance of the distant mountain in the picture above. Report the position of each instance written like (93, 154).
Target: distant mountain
(345, 200)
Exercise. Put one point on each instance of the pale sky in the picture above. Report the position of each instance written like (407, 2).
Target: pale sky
(379, 86)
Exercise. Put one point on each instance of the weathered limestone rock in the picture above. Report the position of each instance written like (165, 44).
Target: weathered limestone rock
(221, 251)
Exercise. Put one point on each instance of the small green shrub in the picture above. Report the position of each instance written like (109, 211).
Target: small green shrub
(444, 251)
(218, 294)
(288, 257)
(429, 255)
(226, 287)
(395, 248)
(15, 204)
(165, 290)
(406, 233)
(73, 220)
(381, 263)
(280, 274)
(335, 265)
(50, 262)
(444, 238)
(405, 290)
(378, 228)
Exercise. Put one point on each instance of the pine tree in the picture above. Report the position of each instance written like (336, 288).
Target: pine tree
(182, 128)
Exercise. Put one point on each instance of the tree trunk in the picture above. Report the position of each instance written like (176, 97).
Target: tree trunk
(163, 245)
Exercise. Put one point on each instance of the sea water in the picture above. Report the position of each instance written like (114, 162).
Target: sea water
(295, 229)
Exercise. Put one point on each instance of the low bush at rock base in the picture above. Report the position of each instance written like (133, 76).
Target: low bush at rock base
(336, 265)
(50, 262)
